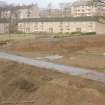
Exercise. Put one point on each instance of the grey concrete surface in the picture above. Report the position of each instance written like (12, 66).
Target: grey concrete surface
(84, 73)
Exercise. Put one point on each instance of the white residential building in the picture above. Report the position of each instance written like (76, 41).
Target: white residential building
(77, 17)
(4, 26)
(83, 8)
(30, 11)
(61, 25)
(24, 11)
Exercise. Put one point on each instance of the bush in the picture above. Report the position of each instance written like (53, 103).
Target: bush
(89, 33)
(75, 33)
(27, 85)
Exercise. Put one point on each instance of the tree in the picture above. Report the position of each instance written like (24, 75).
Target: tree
(49, 9)
(13, 21)
(62, 5)
(100, 5)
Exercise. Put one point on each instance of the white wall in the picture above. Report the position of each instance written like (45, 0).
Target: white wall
(4, 27)
(57, 27)
(100, 28)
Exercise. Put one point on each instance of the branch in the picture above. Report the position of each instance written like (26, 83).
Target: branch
(99, 3)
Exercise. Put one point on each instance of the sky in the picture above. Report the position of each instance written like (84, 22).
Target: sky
(41, 3)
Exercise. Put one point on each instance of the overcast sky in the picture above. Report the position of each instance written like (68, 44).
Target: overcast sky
(41, 3)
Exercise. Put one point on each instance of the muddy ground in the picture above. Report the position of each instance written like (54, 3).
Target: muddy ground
(26, 85)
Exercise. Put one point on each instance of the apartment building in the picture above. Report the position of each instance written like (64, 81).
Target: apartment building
(15, 13)
(83, 8)
(5, 12)
(77, 17)
(27, 11)
(50, 13)
(78, 8)
(67, 12)
(4, 26)
(24, 11)
(61, 25)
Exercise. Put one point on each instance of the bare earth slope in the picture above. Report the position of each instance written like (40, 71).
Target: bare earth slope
(81, 51)
(60, 45)
(25, 85)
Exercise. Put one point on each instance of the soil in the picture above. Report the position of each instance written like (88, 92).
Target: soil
(62, 45)
(21, 84)
(81, 51)
(26, 85)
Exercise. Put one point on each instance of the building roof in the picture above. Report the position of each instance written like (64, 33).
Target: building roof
(3, 20)
(82, 3)
(58, 19)
(11, 7)
(26, 6)
(7, 8)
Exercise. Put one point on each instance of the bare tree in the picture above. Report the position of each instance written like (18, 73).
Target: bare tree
(13, 21)
(62, 5)
(49, 9)
(100, 5)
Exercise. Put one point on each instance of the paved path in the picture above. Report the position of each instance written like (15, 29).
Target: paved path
(85, 73)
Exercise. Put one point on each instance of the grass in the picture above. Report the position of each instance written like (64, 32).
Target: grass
(22, 36)
(5, 37)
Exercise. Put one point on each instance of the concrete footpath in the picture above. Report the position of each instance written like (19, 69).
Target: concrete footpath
(85, 73)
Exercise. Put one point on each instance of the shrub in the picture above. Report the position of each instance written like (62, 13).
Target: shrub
(27, 85)
(75, 33)
(89, 33)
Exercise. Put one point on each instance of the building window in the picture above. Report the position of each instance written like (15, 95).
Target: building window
(78, 29)
(51, 30)
(67, 27)
(35, 29)
(41, 24)
(61, 29)
(83, 10)
(60, 25)
(89, 9)
(28, 30)
(21, 25)
(29, 13)
(90, 25)
(35, 26)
